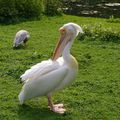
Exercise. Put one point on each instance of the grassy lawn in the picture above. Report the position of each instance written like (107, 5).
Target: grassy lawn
(94, 95)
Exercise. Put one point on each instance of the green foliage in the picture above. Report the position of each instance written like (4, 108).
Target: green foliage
(100, 33)
(15, 10)
(29, 8)
(113, 20)
(8, 12)
(52, 7)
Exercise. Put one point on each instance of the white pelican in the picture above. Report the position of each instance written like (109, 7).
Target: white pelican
(21, 36)
(44, 78)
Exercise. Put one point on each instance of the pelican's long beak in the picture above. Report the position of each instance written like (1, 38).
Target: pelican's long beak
(60, 45)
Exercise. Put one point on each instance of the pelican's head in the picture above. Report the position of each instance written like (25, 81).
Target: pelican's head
(68, 33)
(71, 29)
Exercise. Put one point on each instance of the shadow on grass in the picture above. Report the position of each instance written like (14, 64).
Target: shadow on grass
(20, 47)
(27, 112)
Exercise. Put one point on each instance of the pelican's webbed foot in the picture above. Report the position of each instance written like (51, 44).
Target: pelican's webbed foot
(57, 108)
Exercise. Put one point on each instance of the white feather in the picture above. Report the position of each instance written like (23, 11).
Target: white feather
(20, 37)
(40, 69)
(42, 84)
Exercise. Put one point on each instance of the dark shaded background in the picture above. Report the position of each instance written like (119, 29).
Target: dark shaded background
(92, 8)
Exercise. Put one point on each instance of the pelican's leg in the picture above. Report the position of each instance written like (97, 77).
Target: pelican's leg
(58, 108)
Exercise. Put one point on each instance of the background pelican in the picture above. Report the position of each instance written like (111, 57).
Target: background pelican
(21, 36)
(44, 78)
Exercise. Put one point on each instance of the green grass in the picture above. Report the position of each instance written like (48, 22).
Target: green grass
(94, 95)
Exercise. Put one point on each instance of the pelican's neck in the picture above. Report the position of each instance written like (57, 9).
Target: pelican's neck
(66, 52)
(68, 58)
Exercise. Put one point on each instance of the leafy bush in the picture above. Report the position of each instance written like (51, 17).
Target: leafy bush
(8, 12)
(15, 10)
(113, 20)
(29, 8)
(52, 7)
(99, 33)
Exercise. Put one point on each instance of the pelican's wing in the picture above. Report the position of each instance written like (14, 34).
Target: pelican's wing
(43, 84)
(40, 69)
